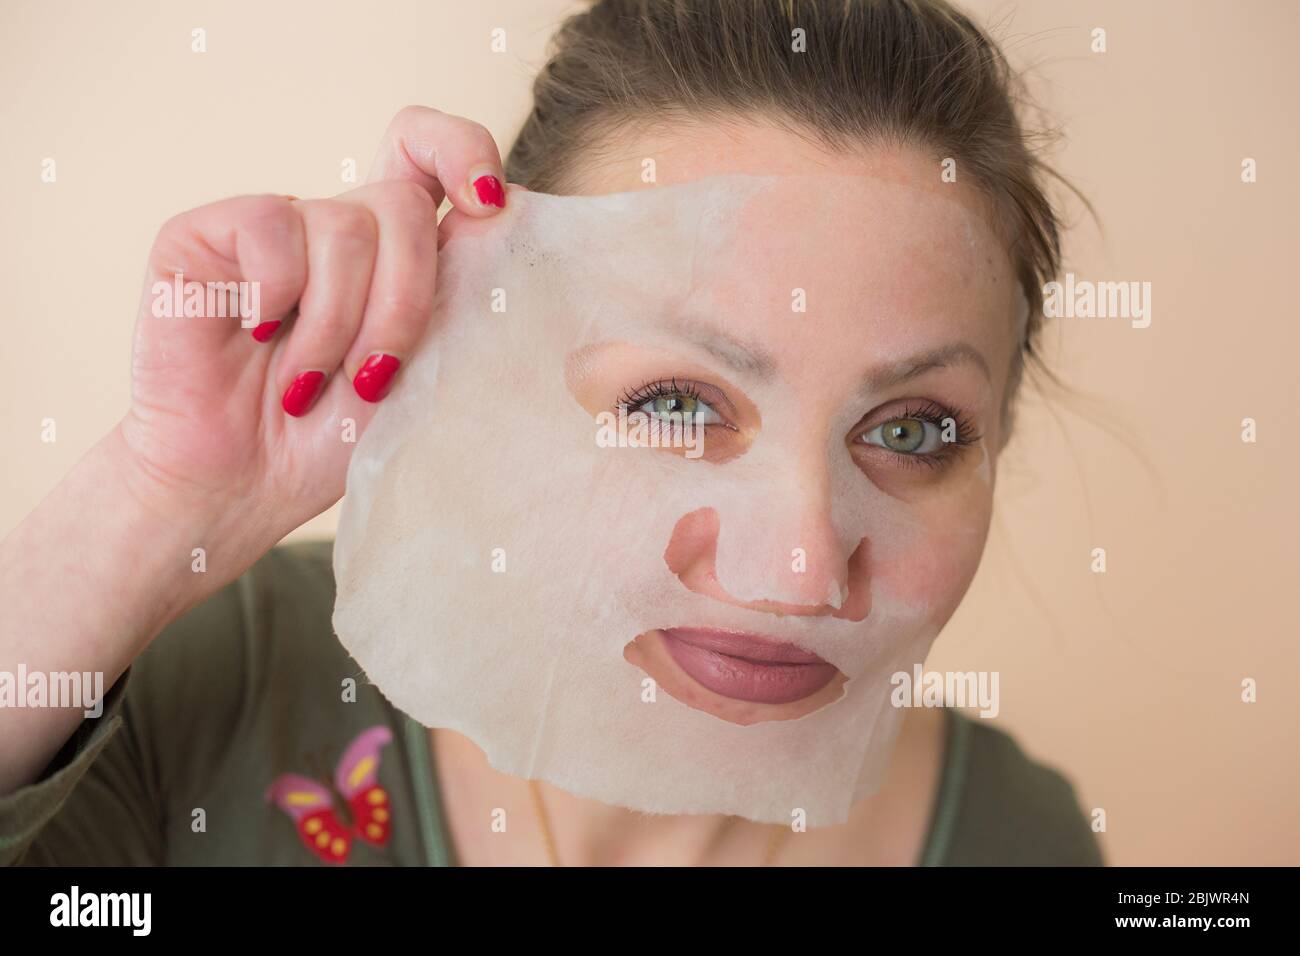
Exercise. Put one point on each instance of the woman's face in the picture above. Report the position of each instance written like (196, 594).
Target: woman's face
(894, 338)
(687, 629)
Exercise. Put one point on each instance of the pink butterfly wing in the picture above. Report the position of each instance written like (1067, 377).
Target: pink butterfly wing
(357, 778)
(358, 768)
(298, 796)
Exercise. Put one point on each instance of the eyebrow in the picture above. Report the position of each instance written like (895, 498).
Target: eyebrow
(752, 359)
(896, 373)
(744, 357)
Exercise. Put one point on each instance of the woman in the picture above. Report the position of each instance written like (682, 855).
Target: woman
(221, 746)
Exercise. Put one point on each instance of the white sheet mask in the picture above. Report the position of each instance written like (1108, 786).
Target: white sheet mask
(493, 561)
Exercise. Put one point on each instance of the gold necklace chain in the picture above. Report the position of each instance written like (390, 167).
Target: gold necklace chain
(548, 836)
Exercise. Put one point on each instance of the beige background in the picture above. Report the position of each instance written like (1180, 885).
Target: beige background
(1129, 681)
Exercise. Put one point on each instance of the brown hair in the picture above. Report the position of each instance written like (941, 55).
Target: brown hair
(894, 72)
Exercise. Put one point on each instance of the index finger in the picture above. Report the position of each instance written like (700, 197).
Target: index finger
(450, 156)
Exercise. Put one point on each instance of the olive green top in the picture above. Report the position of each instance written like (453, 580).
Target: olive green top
(253, 684)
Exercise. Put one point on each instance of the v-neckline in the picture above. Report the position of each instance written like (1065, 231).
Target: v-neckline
(438, 847)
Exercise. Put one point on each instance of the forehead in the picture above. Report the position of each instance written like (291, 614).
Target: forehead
(850, 270)
(866, 248)
(646, 155)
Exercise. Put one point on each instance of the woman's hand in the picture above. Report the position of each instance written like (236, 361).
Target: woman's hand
(235, 436)
(251, 431)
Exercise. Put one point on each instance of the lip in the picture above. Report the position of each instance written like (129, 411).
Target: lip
(746, 666)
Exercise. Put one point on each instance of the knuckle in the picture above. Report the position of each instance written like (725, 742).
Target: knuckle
(170, 240)
(390, 192)
(340, 222)
(412, 114)
(405, 198)
(267, 217)
(185, 241)
(477, 135)
(324, 321)
(267, 208)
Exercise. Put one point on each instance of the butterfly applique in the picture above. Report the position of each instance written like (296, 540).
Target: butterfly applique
(311, 805)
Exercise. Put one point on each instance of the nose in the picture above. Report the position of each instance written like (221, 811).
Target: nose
(782, 557)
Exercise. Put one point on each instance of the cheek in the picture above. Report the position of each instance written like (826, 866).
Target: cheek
(935, 565)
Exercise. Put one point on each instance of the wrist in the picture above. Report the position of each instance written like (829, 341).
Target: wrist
(103, 563)
(169, 537)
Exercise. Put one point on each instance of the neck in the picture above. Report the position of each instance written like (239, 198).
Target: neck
(591, 833)
(493, 820)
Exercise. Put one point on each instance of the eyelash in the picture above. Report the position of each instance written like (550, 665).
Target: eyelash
(934, 413)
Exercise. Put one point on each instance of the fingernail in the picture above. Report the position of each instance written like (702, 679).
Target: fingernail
(375, 378)
(302, 393)
(490, 192)
(264, 330)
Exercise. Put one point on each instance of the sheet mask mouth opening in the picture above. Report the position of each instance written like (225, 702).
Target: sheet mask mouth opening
(736, 676)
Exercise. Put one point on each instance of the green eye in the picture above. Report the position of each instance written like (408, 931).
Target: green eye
(906, 436)
(903, 434)
(674, 405)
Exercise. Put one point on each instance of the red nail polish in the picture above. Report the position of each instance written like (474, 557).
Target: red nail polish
(490, 192)
(264, 330)
(376, 376)
(302, 393)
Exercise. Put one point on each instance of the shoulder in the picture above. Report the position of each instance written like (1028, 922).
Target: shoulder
(998, 806)
(245, 689)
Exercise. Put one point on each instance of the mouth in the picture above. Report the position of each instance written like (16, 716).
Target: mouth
(747, 667)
